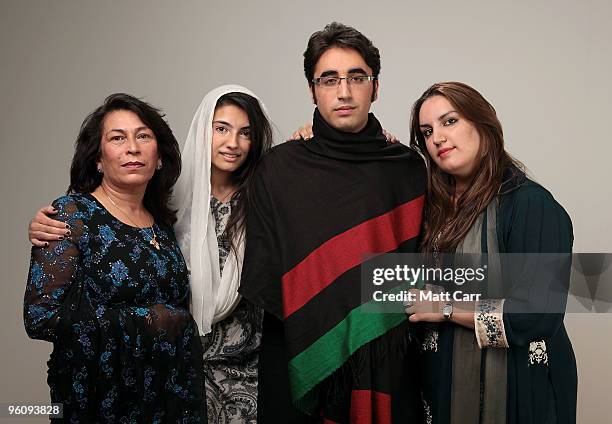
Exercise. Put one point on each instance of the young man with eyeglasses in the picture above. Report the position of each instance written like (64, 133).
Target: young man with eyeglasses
(317, 210)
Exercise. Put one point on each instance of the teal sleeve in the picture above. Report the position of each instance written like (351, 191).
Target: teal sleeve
(535, 223)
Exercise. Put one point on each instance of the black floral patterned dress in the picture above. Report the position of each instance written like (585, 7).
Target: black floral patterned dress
(125, 348)
(231, 348)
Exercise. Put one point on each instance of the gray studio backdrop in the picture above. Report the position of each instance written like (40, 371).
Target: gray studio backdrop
(544, 65)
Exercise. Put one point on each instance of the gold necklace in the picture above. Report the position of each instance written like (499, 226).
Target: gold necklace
(153, 242)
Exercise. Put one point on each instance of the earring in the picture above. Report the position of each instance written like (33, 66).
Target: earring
(159, 165)
(100, 170)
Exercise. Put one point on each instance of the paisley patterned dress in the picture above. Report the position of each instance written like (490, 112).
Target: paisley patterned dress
(231, 348)
(125, 348)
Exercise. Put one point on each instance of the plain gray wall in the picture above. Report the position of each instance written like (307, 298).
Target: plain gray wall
(544, 65)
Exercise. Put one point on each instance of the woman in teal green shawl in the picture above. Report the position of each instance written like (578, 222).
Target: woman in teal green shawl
(493, 365)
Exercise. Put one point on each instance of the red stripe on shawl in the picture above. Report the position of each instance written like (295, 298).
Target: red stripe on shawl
(346, 250)
(368, 406)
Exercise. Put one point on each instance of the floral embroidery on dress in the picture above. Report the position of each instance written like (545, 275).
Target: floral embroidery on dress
(538, 353)
(430, 341)
(489, 323)
(427, 411)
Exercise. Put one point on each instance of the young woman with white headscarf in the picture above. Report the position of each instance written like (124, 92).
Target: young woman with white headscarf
(228, 134)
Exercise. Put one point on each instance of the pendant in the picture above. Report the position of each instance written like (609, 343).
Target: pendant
(153, 242)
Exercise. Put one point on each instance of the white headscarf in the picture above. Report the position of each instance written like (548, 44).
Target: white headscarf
(213, 297)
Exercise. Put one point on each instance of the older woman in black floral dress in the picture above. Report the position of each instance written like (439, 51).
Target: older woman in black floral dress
(112, 295)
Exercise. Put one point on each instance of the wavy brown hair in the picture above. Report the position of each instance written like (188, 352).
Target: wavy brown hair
(453, 220)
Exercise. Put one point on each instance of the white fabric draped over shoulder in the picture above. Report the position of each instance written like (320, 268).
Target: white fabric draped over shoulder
(213, 297)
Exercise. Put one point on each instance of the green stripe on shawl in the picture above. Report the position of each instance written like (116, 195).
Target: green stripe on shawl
(362, 325)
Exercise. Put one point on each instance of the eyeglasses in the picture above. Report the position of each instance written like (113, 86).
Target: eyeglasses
(352, 80)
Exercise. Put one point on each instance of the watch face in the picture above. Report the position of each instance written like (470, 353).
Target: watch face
(447, 311)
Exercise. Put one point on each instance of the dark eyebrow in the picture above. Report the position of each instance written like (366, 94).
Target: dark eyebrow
(445, 114)
(122, 131)
(119, 130)
(328, 73)
(223, 123)
(357, 71)
(440, 118)
(350, 71)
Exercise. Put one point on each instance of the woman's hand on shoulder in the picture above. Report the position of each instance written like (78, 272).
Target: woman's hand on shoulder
(304, 133)
(43, 229)
(391, 139)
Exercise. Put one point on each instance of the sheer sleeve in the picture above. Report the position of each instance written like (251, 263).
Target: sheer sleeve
(53, 270)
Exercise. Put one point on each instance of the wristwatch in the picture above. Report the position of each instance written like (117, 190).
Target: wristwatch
(447, 311)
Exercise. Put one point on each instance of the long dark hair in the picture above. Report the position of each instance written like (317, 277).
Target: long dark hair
(442, 216)
(261, 141)
(84, 177)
